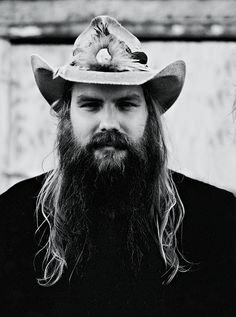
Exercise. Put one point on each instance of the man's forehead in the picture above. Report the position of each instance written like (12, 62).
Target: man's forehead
(103, 91)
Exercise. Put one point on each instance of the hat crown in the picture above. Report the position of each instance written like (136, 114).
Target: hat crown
(107, 46)
(106, 53)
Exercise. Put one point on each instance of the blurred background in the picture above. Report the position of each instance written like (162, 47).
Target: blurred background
(200, 127)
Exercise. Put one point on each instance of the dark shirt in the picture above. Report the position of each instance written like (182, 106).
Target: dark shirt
(107, 288)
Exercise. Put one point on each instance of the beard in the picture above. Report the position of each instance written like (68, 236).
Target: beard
(99, 186)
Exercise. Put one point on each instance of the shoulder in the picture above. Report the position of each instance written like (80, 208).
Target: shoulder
(210, 217)
(204, 202)
(20, 200)
(184, 182)
(17, 214)
(201, 194)
(22, 191)
(28, 186)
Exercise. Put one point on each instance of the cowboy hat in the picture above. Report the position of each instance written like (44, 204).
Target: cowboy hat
(106, 53)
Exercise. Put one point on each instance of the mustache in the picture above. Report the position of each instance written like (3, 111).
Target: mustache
(109, 138)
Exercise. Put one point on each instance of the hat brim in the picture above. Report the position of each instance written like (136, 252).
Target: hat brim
(165, 85)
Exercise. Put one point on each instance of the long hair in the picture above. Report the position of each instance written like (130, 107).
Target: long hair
(165, 215)
(167, 210)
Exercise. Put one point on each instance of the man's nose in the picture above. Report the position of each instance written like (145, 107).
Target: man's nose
(109, 119)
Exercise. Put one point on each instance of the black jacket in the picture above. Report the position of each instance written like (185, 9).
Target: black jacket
(107, 288)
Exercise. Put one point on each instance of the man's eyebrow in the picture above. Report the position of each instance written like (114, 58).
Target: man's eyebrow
(133, 96)
(130, 96)
(81, 98)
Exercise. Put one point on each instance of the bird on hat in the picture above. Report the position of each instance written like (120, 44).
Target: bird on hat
(107, 53)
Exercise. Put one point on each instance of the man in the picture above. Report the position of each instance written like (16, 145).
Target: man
(111, 231)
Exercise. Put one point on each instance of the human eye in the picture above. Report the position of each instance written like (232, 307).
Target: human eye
(91, 106)
(127, 105)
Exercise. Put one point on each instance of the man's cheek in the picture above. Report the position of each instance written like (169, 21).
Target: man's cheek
(81, 136)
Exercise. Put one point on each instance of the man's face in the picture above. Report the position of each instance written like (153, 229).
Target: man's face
(101, 108)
